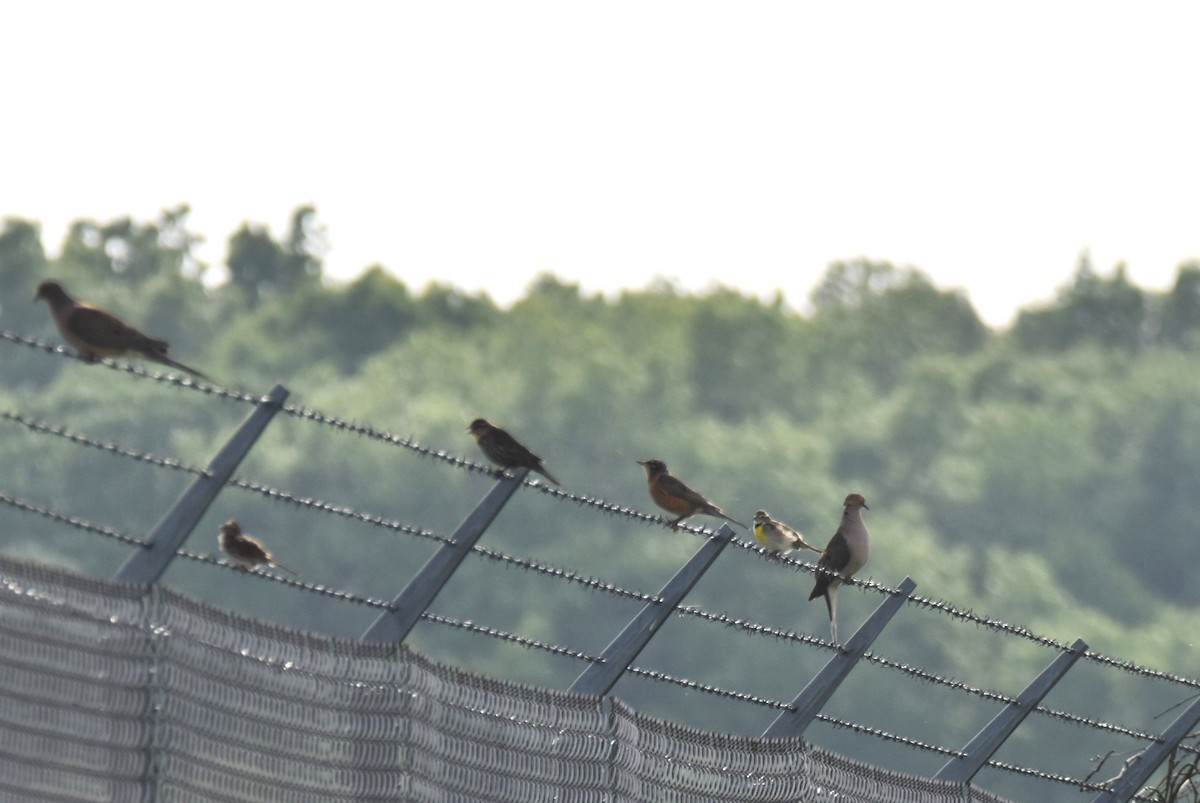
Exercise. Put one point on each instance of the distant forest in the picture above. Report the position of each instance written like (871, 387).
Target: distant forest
(1047, 474)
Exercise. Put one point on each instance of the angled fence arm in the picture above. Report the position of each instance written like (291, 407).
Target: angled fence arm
(1138, 771)
(962, 768)
(393, 626)
(812, 699)
(148, 564)
(599, 678)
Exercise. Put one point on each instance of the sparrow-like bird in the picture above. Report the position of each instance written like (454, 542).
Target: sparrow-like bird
(846, 553)
(673, 495)
(97, 334)
(776, 537)
(504, 450)
(246, 551)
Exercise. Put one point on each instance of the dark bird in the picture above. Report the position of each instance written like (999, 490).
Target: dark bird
(845, 554)
(504, 450)
(246, 551)
(97, 334)
(673, 495)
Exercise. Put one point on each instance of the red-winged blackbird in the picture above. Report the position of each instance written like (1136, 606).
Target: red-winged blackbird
(246, 551)
(97, 334)
(671, 494)
(845, 554)
(504, 450)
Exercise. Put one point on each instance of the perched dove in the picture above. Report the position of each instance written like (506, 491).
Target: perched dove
(672, 494)
(246, 551)
(846, 553)
(97, 334)
(504, 450)
(776, 537)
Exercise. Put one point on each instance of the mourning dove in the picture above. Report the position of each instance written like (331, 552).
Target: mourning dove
(97, 334)
(504, 450)
(776, 537)
(672, 494)
(246, 551)
(846, 553)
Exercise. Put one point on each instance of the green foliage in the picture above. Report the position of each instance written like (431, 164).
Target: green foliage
(1049, 475)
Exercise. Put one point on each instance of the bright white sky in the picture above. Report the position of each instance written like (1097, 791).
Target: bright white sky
(482, 143)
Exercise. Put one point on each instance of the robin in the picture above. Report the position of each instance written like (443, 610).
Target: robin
(246, 551)
(776, 537)
(504, 450)
(673, 495)
(845, 554)
(97, 334)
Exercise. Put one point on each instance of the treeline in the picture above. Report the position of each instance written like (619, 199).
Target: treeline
(1048, 474)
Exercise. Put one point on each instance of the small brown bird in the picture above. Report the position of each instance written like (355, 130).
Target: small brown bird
(845, 554)
(673, 495)
(246, 551)
(776, 537)
(504, 450)
(97, 334)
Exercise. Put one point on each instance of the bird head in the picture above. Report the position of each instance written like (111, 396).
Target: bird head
(50, 291)
(231, 529)
(653, 466)
(761, 517)
(855, 501)
(480, 427)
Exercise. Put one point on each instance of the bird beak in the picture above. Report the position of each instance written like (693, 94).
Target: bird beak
(865, 506)
(641, 462)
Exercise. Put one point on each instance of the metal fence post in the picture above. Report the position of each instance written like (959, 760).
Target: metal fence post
(147, 565)
(599, 678)
(393, 626)
(1138, 771)
(812, 699)
(962, 768)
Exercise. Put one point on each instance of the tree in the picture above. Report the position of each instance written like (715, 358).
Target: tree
(260, 267)
(1091, 309)
(22, 266)
(1180, 315)
(878, 316)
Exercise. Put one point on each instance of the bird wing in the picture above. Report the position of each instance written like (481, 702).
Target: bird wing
(835, 557)
(674, 486)
(99, 330)
(796, 538)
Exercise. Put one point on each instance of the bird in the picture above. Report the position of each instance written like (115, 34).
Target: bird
(776, 537)
(97, 334)
(673, 495)
(504, 450)
(845, 554)
(246, 551)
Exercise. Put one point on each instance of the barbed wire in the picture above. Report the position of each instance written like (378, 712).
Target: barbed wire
(371, 432)
(527, 564)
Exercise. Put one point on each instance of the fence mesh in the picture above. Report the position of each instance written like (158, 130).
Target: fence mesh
(116, 692)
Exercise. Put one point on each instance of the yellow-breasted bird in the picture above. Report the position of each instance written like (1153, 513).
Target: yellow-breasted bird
(504, 450)
(846, 553)
(673, 495)
(776, 537)
(246, 551)
(97, 334)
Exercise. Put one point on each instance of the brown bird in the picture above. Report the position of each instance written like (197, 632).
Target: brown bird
(845, 554)
(97, 334)
(673, 495)
(246, 551)
(504, 450)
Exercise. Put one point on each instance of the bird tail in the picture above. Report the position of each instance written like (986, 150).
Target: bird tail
(283, 568)
(542, 470)
(716, 511)
(165, 360)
